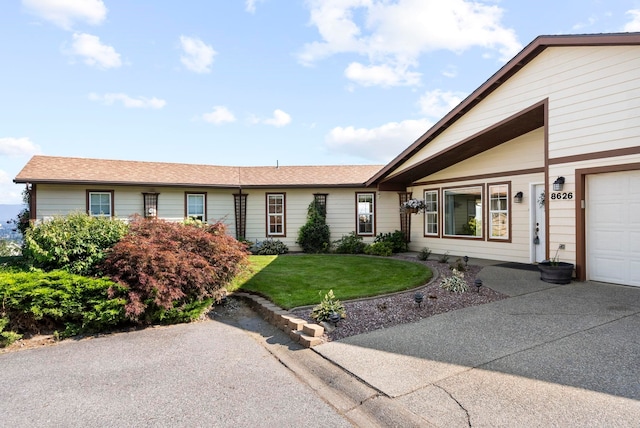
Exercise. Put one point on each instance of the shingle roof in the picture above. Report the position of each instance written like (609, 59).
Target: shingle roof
(52, 169)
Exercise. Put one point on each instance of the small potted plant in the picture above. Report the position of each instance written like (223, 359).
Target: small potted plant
(555, 271)
(413, 206)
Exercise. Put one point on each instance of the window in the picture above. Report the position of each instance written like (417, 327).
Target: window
(100, 204)
(365, 207)
(275, 214)
(431, 212)
(463, 212)
(150, 205)
(499, 211)
(196, 206)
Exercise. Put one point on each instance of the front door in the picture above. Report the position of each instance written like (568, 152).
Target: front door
(538, 224)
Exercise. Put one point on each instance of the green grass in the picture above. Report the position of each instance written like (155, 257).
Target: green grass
(298, 280)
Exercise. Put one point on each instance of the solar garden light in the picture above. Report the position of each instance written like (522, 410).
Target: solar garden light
(478, 284)
(334, 317)
(418, 298)
(466, 260)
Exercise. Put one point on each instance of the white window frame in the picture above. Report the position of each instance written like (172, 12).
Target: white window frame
(101, 194)
(498, 196)
(431, 218)
(276, 214)
(457, 214)
(365, 210)
(199, 215)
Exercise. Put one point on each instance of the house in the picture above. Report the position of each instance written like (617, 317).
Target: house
(255, 202)
(541, 161)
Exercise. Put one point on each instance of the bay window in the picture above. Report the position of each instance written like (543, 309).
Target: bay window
(463, 212)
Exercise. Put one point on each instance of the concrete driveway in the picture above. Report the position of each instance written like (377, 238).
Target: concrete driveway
(548, 356)
(200, 374)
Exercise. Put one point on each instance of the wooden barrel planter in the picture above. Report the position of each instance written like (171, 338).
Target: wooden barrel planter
(557, 273)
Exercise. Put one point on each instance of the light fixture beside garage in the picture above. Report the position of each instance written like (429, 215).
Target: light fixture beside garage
(557, 185)
(518, 198)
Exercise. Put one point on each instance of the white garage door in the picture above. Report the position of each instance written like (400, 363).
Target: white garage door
(613, 227)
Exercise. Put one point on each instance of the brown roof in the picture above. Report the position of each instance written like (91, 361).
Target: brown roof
(507, 71)
(51, 169)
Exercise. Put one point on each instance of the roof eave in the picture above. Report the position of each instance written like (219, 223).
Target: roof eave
(526, 55)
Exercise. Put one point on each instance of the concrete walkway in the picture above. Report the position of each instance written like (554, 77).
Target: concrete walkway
(548, 356)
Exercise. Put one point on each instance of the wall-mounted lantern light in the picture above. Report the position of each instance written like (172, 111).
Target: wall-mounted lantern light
(557, 185)
(518, 198)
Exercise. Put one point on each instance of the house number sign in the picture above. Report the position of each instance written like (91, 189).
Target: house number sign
(561, 195)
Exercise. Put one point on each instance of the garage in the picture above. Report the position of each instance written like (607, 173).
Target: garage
(613, 227)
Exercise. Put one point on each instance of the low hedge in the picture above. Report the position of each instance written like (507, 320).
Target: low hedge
(58, 301)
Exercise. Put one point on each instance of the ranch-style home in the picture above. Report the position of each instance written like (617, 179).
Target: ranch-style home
(541, 161)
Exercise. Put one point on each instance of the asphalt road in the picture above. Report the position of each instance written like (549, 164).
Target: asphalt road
(200, 374)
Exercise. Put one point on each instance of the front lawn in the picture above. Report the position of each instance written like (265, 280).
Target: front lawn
(298, 280)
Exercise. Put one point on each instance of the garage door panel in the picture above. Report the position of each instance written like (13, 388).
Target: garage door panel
(607, 240)
(613, 227)
(609, 214)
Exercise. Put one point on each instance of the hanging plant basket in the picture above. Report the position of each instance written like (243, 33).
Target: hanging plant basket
(413, 206)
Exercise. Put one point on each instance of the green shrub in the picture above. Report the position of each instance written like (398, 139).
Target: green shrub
(458, 265)
(77, 243)
(173, 265)
(424, 254)
(314, 236)
(269, 247)
(7, 337)
(39, 301)
(328, 305)
(395, 239)
(349, 244)
(379, 249)
(455, 283)
(444, 258)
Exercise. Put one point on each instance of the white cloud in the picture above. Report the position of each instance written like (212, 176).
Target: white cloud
(634, 24)
(10, 193)
(437, 103)
(93, 52)
(198, 56)
(220, 114)
(16, 147)
(250, 5)
(279, 119)
(381, 75)
(379, 144)
(395, 34)
(64, 13)
(127, 101)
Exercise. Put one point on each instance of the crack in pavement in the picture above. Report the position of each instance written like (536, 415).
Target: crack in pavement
(457, 402)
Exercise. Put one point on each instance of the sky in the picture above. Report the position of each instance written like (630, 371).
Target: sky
(255, 82)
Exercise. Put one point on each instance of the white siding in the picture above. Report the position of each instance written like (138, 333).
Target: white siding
(594, 95)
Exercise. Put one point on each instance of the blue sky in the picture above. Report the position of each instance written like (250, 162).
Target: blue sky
(255, 82)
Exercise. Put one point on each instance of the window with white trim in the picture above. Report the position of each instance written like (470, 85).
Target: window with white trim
(463, 212)
(499, 211)
(366, 212)
(431, 212)
(100, 204)
(196, 206)
(275, 214)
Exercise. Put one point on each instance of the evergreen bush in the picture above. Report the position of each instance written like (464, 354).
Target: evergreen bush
(314, 236)
(379, 249)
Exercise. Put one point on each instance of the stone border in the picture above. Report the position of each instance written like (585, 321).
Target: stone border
(299, 330)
